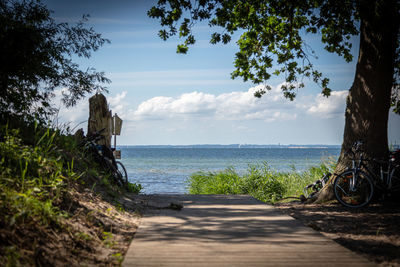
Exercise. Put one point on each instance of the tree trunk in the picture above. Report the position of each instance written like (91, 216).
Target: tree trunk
(100, 118)
(368, 102)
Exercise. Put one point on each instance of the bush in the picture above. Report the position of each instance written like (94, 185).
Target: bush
(31, 177)
(259, 181)
(134, 188)
(42, 178)
(35, 176)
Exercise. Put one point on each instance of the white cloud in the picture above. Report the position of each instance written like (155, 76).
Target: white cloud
(117, 103)
(329, 107)
(79, 114)
(240, 105)
(233, 106)
(185, 105)
(76, 114)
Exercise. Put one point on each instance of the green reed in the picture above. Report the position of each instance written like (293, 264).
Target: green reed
(259, 181)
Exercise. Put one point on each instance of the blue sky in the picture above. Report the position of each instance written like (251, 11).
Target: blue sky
(168, 98)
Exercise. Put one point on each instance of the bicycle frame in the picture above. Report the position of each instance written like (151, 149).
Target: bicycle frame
(385, 176)
(105, 157)
(354, 187)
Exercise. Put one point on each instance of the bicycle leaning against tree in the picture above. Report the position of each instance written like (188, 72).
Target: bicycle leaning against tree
(356, 186)
(103, 155)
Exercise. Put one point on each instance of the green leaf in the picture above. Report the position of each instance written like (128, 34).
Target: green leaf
(182, 49)
(163, 34)
(272, 34)
(215, 38)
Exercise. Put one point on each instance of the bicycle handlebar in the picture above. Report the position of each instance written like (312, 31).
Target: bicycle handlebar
(94, 137)
(99, 132)
(358, 145)
(355, 147)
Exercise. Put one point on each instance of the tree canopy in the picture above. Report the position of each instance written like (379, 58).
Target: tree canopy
(272, 35)
(36, 58)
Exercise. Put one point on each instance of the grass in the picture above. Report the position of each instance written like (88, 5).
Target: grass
(36, 173)
(259, 181)
(32, 178)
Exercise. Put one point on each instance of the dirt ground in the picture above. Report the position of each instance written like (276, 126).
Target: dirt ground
(373, 231)
(96, 233)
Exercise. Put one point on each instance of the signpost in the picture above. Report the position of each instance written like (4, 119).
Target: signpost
(116, 125)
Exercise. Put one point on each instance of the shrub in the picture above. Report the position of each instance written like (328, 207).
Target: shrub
(35, 175)
(259, 181)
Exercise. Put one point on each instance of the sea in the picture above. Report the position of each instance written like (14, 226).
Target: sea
(166, 169)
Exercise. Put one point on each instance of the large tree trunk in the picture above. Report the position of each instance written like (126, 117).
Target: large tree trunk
(368, 102)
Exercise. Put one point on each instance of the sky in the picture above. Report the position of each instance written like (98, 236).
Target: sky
(165, 98)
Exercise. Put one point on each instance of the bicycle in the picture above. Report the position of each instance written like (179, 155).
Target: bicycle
(121, 168)
(104, 156)
(355, 188)
(311, 190)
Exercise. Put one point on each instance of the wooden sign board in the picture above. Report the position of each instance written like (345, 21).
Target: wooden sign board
(116, 125)
(117, 154)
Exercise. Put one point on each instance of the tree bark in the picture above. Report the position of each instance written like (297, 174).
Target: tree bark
(100, 118)
(368, 102)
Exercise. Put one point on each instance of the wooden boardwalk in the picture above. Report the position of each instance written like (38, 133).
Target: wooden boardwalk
(234, 230)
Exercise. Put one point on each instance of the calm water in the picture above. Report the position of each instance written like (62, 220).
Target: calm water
(165, 170)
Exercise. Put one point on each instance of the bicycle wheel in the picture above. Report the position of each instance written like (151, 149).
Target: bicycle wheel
(353, 196)
(122, 170)
(395, 179)
(114, 172)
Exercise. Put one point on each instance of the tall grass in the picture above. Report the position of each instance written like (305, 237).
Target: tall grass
(32, 177)
(259, 181)
(40, 169)
(35, 174)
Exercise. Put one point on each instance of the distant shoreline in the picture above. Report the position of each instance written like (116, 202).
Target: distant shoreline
(237, 146)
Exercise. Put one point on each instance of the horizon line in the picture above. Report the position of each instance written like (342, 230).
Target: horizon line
(238, 145)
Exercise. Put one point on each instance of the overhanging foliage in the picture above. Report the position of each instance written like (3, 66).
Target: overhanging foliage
(272, 42)
(36, 57)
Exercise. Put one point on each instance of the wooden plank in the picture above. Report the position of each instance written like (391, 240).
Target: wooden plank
(237, 230)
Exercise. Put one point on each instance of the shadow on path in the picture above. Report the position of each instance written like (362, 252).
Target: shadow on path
(227, 230)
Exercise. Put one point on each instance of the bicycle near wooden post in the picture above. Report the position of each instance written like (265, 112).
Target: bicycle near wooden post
(355, 186)
(116, 125)
(105, 157)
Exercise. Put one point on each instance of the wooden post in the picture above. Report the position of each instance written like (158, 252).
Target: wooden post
(99, 118)
(116, 126)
